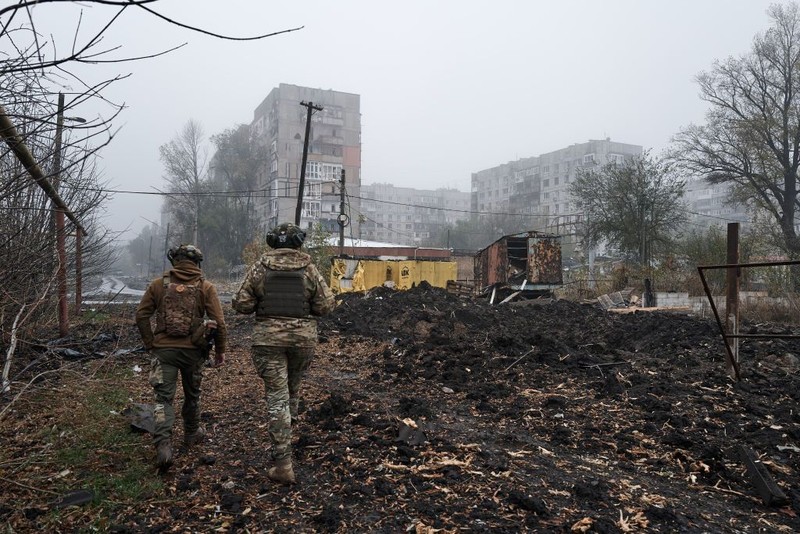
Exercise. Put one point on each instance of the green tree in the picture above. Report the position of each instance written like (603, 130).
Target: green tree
(317, 244)
(634, 206)
(228, 220)
(751, 138)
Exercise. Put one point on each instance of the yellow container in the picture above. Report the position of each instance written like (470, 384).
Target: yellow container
(362, 275)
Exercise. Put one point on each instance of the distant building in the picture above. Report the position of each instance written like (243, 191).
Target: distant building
(539, 185)
(409, 216)
(709, 204)
(334, 145)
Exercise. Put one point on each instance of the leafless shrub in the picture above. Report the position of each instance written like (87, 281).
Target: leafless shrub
(780, 310)
(33, 73)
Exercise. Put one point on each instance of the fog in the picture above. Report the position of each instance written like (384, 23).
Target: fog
(447, 88)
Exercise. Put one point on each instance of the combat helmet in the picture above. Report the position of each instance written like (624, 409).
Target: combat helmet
(286, 235)
(185, 252)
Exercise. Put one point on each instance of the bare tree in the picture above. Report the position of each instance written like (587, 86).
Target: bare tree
(185, 164)
(34, 70)
(751, 138)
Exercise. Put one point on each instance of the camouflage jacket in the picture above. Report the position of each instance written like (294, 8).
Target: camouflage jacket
(277, 331)
(208, 305)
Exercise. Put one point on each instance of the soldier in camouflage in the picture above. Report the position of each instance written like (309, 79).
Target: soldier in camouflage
(286, 292)
(179, 349)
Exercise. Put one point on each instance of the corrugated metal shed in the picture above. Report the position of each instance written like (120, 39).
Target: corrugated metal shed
(529, 261)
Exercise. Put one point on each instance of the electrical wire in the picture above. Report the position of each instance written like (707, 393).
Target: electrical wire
(263, 193)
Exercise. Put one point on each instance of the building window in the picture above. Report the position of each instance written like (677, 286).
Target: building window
(546, 183)
(316, 170)
(310, 210)
(588, 158)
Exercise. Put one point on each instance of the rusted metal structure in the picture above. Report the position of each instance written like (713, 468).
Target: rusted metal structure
(727, 337)
(528, 262)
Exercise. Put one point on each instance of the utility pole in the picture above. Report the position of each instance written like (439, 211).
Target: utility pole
(298, 212)
(732, 288)
(78, 271)
(150, 258)
(166, 249)
(61, 273)
(342, 216)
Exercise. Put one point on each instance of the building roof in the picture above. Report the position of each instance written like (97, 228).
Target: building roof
(363, 243)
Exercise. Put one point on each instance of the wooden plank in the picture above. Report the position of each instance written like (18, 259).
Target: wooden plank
(511, 296)
(759, 476)
(637, 309)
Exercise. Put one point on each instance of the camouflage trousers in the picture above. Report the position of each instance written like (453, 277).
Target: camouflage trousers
(164, 369)
(282, 369)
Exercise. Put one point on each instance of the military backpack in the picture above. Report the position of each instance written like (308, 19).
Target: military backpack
(180, 307)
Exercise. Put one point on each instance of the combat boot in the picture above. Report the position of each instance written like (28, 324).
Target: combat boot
(164, 455)
(282, 471)
(193, 438)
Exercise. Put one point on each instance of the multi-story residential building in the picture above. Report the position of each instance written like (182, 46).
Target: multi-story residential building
(539, 185)
(710, 204)
(409, 216)
(334, 145)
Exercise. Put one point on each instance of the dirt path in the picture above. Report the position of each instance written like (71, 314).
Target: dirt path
(424, 411)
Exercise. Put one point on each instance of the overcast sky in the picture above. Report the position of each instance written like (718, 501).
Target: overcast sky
(448, 87)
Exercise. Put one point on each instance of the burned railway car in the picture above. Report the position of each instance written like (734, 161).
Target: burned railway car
(528, 263)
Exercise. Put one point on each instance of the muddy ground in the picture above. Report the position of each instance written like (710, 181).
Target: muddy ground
(428, 412)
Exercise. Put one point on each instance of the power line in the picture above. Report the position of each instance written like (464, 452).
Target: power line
(263, 193)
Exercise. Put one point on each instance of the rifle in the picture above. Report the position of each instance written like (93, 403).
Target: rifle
(209, 338)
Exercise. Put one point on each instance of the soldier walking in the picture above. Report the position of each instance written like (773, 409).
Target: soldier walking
(286, 292)
(187, 309)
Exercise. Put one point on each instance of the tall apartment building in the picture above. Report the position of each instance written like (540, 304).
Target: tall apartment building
(539, 185)
(409, 216)
(708, 204)
(334, 145)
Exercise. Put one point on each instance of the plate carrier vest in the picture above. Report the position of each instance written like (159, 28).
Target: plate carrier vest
(284, 294)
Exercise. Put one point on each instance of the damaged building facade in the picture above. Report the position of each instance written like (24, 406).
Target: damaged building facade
(334, 145)
(539, 185)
